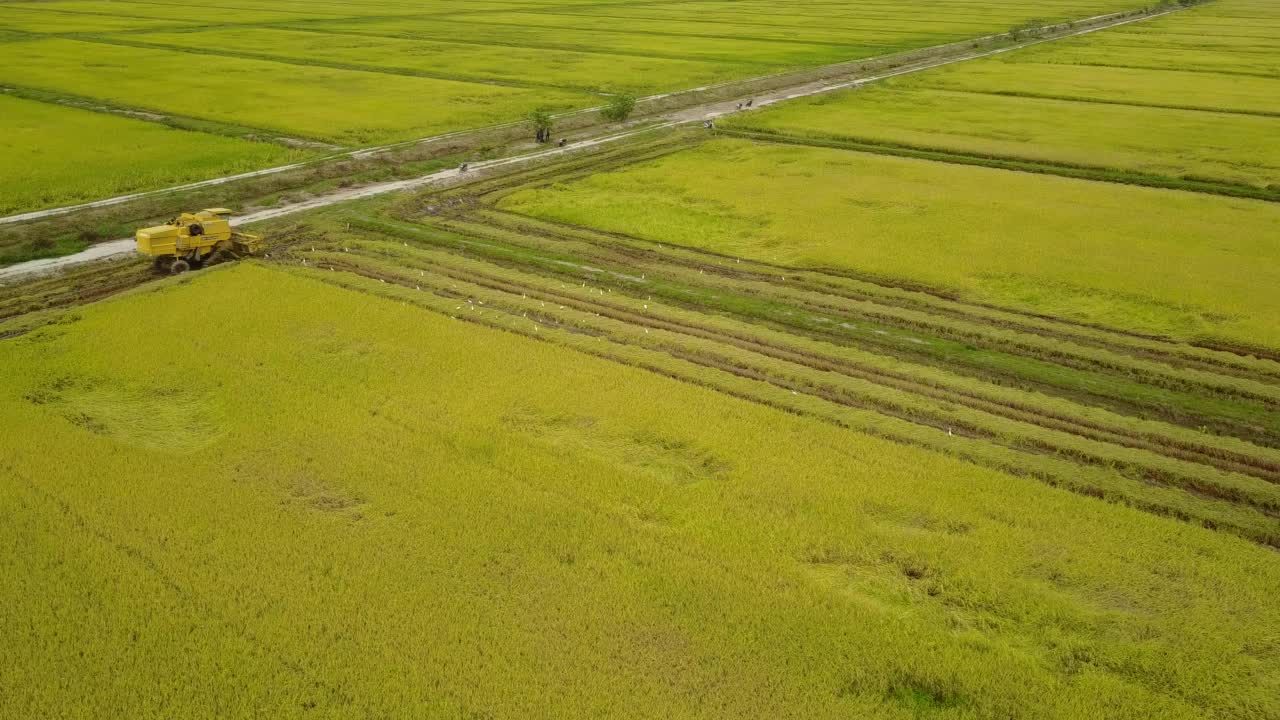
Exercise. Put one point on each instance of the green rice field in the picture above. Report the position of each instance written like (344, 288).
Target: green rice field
(367, 73)
(1011, 239)
(311, 102)
(517, 67)
(48, 149)
(1177, 97)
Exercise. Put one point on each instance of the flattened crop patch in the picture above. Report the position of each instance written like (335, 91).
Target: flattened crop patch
(316, 495)
(154, 418)
(676, 460)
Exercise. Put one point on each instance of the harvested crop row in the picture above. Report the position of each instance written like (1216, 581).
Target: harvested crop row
(536, 311)
(828, 358)
(1225, 452)
(74, 288)
(820, 313)
(655, 352)
(902, 398)
(847, 284)
(1257, 378)
(886, 217)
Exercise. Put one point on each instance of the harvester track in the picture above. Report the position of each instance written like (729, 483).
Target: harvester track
(647, 305)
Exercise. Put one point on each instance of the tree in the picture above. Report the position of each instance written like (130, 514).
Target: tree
(618, 108)
(541, 120)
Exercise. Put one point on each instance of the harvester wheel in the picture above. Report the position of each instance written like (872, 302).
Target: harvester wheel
(179, 266)
(162, 264)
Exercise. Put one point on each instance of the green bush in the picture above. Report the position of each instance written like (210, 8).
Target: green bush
(618, 108)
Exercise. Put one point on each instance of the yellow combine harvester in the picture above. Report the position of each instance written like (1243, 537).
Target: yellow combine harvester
(195, 239)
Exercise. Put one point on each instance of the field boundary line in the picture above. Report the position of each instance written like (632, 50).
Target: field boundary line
(188, 123)
(1126, 103)
(350, 67)
(1013, 163)
(1167, 68)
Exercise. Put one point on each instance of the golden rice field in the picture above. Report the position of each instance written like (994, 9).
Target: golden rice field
(950, 397)
(393, 508)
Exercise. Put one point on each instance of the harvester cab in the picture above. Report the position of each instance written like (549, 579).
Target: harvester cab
(195, 239)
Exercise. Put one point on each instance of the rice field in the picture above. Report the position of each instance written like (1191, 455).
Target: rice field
(367, 73)
(1177, 89)
(53, 156)
(418, 485)
(17, 17)
(1228, 148)
(171, 14)
(1057, 246)
(315, 103)
(954, 396)
(751, 51)
(520, 67)
(1192, 96)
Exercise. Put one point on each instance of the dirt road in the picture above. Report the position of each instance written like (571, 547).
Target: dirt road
(695, 114)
